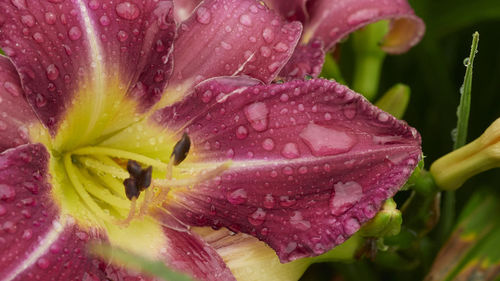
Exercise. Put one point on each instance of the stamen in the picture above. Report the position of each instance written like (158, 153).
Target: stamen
(102, 193)
(74, 178)
(131, 214)
(99, 167)
(181, 149)
(208, 175)
(144, 178)
(95, 150)
(131, 189)
(134, 168)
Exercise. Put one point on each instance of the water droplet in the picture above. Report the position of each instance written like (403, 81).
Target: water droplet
(127, 10)
(19, 4)
(27, 234)
(40, 100)
(104, 20)
(286, 201)
(74, 33)
(94, 4)
(258, 217)
(43, 263)
(38, 37)
(12, 88)
(52, 72)
(237, 197)
(268, 144)
(328, 116)
(290, 150)
(50, 18)
(351, 225)
(246, 20)
(298, 221)
(349, 113)
(241, 132)
(257, 115)
(9, 227)
(28, 20)
(344, 196)
(265, 51)
(122, 36)
(203, 15)
(326, 141)
(268, 35)
(7, 192)
(466, 61)
(273, 66)
(225, 45)
(290, 247)
(281, 47)
(383, 117)
(269, 201)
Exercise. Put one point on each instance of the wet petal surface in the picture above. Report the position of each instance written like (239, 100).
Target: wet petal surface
(331, 21)
(15, 113)
(91, 52)
(291, 9)
(311, 161)
(184, 8)
(227, 38)
(307, 60)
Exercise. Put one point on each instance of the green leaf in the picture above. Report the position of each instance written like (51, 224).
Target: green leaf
(124, 258)
(463, 110)
(331, 69)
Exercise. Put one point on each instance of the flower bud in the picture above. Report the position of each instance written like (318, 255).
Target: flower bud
(453, 169)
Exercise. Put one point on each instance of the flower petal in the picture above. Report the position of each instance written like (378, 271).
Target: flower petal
(92, 52)
(187, 252)
(35, 239)
(17, 115)
(311, 161)
(333, 20)
(291, 9)
(228, 38)
(307, 60)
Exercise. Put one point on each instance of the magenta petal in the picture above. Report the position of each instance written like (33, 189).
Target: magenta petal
(290, 9)
(187, 252)
(312, 161)
(17, 113)
(227, 38)
(307, 60)
(58, 46)
(332, 20)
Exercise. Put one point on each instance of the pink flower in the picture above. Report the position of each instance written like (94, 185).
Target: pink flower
(92, 85)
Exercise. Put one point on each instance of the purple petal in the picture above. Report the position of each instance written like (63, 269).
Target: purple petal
(291, 9)
(187, 252)
(311, 161)
(61, 47)
(307, 60)
(184, 8)
(228, 38)
(333, 20)
(17, 112)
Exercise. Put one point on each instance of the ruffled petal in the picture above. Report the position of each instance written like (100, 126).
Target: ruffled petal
(35, 240)
(307, 60)
(311, 161)
(88, 54)
(184, 8)
(17, 115)
(332, 20)
(187, 252)
(228, 38)
(291, 9)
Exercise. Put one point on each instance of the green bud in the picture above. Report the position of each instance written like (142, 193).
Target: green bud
(395, 100)
(386, 223)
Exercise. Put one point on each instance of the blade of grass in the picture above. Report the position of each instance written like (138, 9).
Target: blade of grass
(463, 112)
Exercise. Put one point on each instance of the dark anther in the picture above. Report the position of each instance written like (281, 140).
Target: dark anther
(131, 189)
(181, 149)
(134, 168)
(144, 179)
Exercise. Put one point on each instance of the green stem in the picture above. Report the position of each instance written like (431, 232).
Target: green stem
(369, 58)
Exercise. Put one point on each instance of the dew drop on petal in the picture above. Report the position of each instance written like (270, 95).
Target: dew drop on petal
(268, 144)
(246, 20)
(241, 132)
(43, 263)
(127, 10)
(203, 15)
(7, 192)
(237, 197)
(269, 201)
(290, 150)
(50, 18)
(258, 217)
(12, 88)
(74, 33)
(268, 35)
(257, 115)
(122, 36)
(344, 196)
(52, 72)
(351, 225)
(326, 141)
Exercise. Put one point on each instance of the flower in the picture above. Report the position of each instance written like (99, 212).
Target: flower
(453, 169)
(94, 140)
